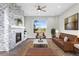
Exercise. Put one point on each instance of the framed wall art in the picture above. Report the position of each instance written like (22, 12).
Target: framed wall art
(71, 23)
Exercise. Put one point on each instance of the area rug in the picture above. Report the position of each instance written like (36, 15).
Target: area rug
(40, 52)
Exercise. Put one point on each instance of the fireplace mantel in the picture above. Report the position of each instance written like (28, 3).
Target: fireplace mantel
(14, 31)
(18, 27)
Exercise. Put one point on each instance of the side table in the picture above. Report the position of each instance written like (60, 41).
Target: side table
(76, 49)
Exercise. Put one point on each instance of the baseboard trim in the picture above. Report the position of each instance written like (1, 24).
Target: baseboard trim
(35, 38)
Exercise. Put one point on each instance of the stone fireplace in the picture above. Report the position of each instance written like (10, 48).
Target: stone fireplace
(17, 36)
(11, 26)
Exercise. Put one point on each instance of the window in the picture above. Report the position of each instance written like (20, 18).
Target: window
(39, 25)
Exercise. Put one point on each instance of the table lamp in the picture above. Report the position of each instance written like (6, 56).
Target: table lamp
(57, 31)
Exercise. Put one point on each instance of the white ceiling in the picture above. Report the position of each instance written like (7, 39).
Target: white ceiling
(52, 9)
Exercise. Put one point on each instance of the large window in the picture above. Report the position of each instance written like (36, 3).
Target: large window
(40, 25)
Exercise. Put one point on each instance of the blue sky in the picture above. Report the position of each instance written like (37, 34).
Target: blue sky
(40, 24)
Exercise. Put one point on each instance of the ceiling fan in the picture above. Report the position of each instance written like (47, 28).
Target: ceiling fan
(40, 8)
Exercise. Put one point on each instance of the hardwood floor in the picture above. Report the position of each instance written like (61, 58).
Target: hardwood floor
(23, 48)
(40, 52)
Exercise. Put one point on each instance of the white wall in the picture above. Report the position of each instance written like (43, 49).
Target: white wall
(52, 22)
(73, 10)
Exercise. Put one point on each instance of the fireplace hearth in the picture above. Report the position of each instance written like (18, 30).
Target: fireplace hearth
(18, 37)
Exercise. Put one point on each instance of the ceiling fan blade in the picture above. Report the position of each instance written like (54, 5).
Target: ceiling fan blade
(43, 7)
(38, 8)
(43, 10)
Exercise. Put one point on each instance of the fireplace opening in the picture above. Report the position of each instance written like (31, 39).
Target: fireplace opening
(18, 37)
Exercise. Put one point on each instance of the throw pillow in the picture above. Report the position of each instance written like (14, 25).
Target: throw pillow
(57, 35)
(65, 39)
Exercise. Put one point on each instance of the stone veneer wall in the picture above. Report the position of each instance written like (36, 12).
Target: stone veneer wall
(3, 28)
(14, 12)
(8, 13)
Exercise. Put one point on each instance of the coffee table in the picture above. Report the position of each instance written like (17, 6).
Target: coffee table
(43, 43)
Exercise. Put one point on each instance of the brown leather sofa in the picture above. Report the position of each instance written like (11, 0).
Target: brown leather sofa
(66, 46)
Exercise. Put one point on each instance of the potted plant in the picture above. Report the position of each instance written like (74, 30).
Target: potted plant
(19, 22)
(53, 32)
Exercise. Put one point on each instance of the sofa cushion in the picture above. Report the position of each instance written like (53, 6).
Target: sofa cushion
(62, 35)
(61, 42)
